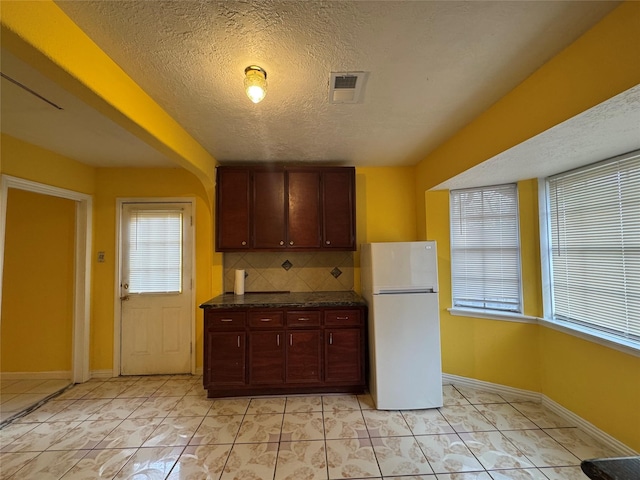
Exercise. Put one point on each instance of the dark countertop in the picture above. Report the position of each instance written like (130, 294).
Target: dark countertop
(286, 300)
(623, 468)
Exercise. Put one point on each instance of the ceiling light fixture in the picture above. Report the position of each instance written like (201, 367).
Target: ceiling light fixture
(255, 83)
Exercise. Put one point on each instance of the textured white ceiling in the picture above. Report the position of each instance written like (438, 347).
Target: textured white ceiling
(433, 67)
(602, 132)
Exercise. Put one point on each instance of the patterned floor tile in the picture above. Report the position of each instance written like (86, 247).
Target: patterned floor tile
(301, 460)
(333, 403)
(50, 465)
(200, 462)
(173, 431)
(251, 460)
(150, 463)
(351, 458)
(541, 416)
(344, 424)
(100, 464)
(579, 443)
(302, 426)
(266, 405)
(465, 418)
(382, 423)
(400, 456)
(303, 404)
(448, 454)
(495, 451)
(427, 422)
(541, 449)
(505, 417)
(217, 430)
(260, 428)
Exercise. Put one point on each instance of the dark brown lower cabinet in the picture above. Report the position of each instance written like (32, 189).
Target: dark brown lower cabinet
(227, 358)
(272, 351)
(343, 355)
(303, 356)
(266, 358)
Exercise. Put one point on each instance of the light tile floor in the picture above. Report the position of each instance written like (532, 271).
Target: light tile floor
(166, 428)
(18, 395)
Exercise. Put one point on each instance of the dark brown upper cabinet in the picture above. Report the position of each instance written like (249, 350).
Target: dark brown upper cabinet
(232, 209)
(292, 208)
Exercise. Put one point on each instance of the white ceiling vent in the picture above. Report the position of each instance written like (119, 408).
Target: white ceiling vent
(347, 87)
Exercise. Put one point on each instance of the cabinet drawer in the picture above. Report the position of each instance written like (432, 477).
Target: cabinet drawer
(266, 319)
(226, 320)
(342, 317)
(303, 318)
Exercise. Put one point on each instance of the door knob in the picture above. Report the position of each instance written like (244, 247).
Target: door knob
(124, 298)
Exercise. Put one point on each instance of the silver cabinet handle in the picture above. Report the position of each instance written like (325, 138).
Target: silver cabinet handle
(278, 339)
(328, 242)
(331, 339)
(303, 319)
(226, 319)
(265, 319)
(238, 341)
(281, 242)
(290, 339)
(244, 243)
(342, 318)
(291, 242)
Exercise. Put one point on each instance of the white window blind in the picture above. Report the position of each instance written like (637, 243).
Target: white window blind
(594, 249)
(485, 248)
(155, 251)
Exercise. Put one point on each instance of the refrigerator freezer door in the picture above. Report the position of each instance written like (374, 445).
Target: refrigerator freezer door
(404, 266)
(406, 367)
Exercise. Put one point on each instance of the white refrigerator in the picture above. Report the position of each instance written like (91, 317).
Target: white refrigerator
(400, 286)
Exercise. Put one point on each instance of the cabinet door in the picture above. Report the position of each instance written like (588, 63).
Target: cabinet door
(269, 227)
(226, 354)
(338, 214)
(304, 350)
(303, 214)
(266, 358)
(343, 355)
(232, 209)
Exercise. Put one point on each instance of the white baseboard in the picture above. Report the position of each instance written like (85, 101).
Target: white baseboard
(55, 375)
(526, 395)
(603, 437)
(109, 373)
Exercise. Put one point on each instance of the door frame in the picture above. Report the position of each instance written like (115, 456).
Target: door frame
(82, 264)
(117, 304)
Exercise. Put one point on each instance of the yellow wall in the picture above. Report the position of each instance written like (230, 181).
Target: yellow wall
(24, 160)
(599, 65)
(129, 183)
(385, 208)
(490, 350)
(37, 288)
(599, 384)
(41, 34)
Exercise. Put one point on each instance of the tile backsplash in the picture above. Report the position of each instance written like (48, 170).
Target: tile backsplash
(290, 271)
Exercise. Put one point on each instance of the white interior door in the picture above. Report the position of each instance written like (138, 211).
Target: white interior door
(156, 282)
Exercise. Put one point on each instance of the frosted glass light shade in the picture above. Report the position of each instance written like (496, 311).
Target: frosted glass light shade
(255, 83)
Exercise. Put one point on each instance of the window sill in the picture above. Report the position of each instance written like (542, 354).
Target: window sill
(492, 315)
(590, 335)
(594, 336)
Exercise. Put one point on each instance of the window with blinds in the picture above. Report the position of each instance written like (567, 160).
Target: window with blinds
(594, 246)
(155, 251)
(485, 248)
